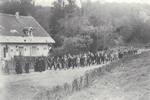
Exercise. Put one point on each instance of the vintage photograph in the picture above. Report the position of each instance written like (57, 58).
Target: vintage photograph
(74, 49)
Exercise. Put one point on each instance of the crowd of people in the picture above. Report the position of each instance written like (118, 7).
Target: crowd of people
(88, 59)
(22, 67)
(39, 65)
(72, 61)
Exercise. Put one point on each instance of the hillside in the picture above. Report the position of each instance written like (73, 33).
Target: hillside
(28, 86)
(128, 80)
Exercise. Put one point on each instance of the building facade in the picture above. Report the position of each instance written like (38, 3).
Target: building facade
(22, 36)
(26, 46)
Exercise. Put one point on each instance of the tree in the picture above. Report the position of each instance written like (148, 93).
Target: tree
(57, 13)
(25, 7)
(60, 11)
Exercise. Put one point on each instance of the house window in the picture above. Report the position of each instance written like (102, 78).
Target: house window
(21, 50)
(28, 31)
(34, 51)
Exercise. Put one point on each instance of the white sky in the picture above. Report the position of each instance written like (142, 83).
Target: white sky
(49, 2)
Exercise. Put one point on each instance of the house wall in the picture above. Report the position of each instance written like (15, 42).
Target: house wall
(33, 50)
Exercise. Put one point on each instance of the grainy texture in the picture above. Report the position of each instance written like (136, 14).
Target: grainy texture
(130, 79)
(35, 85)
(113, 81)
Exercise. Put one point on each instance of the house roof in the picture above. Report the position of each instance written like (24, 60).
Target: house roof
(10, 25)
(20, 39)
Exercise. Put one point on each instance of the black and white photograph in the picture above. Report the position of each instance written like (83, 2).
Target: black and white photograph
(74, 49)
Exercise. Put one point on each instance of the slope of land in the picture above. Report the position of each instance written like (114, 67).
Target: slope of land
(27, 86)
(130, 80)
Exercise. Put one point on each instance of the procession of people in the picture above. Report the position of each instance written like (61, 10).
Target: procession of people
(24, 66)
(75, 61)
(88, 59)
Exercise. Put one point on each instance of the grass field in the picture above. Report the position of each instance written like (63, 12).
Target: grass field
(128, 81)
(27, 86)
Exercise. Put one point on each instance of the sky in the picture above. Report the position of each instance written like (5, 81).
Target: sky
(49, 2)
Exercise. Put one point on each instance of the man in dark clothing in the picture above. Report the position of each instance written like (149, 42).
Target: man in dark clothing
(98, 59)
(69, 62)
(27, 67)
(88, 60)
(37, 66)
(103, 58)
(74, 61)
(58, 62)
(62, 62)
(49, 63)
(18, 68)
(43, 67)
(120, 55)
(82, 60)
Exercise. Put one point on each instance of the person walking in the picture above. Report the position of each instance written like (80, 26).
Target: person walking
(18, 68)
(26, 67)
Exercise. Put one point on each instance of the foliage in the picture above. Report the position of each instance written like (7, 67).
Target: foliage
(25, 7)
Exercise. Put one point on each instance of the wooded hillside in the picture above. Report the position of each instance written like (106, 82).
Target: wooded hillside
(91, 27)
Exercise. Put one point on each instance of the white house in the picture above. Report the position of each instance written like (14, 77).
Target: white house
(22, 36)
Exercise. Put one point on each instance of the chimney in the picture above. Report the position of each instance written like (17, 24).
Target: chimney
(17, 15)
